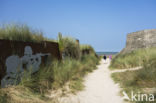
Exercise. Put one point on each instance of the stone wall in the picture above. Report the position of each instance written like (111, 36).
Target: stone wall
(24, 55)
(140, 39)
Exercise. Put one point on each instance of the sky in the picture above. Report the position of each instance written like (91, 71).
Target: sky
(103, 24)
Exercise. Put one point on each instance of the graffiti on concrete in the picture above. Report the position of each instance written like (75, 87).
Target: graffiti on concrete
(16, 66)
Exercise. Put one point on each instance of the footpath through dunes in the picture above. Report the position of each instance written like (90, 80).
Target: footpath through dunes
(99, 88)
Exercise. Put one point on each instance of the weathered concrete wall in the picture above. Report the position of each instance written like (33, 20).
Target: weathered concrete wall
(23, 55)
(140, 39)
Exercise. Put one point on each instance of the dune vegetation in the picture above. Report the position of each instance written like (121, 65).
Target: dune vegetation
(54, 75)
(21, 32)
(133, 59)
(142, 80)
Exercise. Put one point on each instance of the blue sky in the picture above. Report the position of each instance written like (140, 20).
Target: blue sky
(102, 23)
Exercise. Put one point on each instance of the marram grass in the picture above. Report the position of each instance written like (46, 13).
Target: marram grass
(133, 59)
(141, 79)
(21, 32)
(53, 76)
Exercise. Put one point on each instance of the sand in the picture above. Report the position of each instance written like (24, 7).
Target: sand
(99, 88)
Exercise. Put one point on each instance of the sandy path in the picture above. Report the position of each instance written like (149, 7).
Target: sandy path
(125, 70)
(99, 88)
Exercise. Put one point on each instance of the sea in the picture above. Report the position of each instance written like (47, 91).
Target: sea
(106, 53)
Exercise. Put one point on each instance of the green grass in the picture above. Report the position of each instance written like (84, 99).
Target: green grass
(54, 76)
(144, 77)
(84, 47)
(20, 94)
(140, 79)
(21, 32)
(133, 59)
(69, 47)
(57, 74)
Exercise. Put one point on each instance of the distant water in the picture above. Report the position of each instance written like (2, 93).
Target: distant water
(106, 53)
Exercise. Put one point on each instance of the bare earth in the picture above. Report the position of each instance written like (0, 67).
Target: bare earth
(99, 88)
